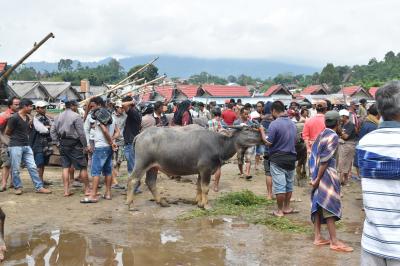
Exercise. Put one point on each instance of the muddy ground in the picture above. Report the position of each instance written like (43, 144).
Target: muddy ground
(53, 230)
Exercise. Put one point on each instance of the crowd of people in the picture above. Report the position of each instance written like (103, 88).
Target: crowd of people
(104, 137)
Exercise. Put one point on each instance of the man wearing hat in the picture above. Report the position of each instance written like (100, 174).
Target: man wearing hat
(68, 131)
(347, 146)
(40, 139)
(119, 116)
(325, 195)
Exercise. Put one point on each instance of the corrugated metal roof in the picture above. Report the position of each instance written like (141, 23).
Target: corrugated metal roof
(56, 88)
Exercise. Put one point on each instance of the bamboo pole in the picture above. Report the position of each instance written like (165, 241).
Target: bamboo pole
(116, 86)
(137, 89)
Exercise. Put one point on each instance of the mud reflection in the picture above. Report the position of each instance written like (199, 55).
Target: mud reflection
(61, 247)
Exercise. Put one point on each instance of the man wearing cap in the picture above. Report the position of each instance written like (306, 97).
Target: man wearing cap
(325, 194)
(315, 125)
(68, 131)
(40, 139)
(347, 146)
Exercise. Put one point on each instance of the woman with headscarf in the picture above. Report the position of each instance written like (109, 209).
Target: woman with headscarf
(182, 116)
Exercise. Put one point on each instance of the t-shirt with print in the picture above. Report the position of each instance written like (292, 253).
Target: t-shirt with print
(20, 131)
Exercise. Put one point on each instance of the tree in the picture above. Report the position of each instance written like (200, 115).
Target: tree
(232, 79)
(65, 65)
(150, 73)
(389, 56)
(329, 75)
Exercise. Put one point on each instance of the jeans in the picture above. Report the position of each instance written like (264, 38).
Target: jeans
(102, 161)
(130, 160)
(25, 154)
(130, 157)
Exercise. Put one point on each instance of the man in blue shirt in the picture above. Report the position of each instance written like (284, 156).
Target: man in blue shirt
(282, 155)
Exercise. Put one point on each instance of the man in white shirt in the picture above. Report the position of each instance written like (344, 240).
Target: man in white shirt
(379, 162)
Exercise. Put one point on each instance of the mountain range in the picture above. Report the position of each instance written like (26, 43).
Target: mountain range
(176, 66)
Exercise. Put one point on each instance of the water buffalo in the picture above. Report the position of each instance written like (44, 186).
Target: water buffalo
(2, 243)
(179, 152)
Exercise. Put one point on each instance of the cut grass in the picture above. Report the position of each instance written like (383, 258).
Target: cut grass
(249, 207)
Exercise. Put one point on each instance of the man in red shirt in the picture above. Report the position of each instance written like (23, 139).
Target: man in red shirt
(229, 115)
(13, 106)
(315, 125)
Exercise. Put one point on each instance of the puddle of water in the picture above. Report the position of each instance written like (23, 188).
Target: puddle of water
(71, 248)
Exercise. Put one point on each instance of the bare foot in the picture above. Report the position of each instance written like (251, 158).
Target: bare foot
(68, 194)
(3, 249)
(278, 213)
(215, 188)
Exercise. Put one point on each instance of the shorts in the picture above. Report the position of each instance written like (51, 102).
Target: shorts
(346, 152)
(118, 156)
(260, 150)
(282, 180)
(40, 159)
(71, 152)
(244, 155)
(4, 156)
(267, 167)
(102, 161)
(325, 213)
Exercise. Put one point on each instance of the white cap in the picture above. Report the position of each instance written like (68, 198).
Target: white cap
(254, 115)
(344, 112)
(118, 103)
(41, 104)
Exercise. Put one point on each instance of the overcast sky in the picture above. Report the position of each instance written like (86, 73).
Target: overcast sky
(310, 32)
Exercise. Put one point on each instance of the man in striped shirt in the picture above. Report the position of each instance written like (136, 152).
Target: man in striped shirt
(379, 162)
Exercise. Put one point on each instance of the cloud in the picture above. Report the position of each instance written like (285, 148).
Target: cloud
(311, 32)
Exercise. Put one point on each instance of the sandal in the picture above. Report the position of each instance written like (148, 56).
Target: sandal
(342, 248)
(322, 242)
(249, 177)
(106, 197)
(87, 200)
(292, 211)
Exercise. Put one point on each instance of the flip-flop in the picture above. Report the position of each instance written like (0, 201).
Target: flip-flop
(87, 200)
(322, 242)
(342, 248)
(291, 212)
(106, 197)
(3, 189)
(249, 177)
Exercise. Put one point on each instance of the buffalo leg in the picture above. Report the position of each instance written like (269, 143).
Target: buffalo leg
(133, 181)
(205, 183)
(151, 182)
(198, 195)
(2, 243)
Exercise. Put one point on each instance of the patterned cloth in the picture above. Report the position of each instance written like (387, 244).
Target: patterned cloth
(327, 195)
(379, 162)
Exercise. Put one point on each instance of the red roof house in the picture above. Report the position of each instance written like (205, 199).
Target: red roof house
(166, 92)
(357, 92)
(277, 89)
(372, 91)
(315, 90)
(188, 91)
(225, 91)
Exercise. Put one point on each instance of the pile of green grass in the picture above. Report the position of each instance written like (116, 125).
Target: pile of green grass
(249, 207)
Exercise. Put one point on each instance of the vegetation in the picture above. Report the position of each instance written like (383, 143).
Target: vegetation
(251, 208)
(375, 73)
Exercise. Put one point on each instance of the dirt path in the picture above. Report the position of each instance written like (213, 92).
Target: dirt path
(50, 228)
